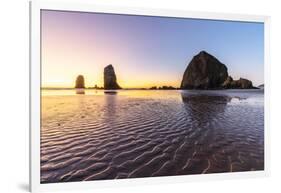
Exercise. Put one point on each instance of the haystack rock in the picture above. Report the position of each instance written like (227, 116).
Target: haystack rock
(204, 72)
(109, 77)
(80, 83)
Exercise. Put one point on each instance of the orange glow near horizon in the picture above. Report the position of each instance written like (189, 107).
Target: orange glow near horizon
(67, 54)
(66, 79)
(144, 51)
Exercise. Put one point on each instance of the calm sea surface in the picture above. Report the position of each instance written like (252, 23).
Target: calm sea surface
(94, 135)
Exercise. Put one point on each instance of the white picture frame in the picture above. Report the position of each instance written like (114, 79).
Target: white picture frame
(35, 78)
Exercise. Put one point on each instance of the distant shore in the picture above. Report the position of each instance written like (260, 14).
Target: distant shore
(50, 88)
(91, 88)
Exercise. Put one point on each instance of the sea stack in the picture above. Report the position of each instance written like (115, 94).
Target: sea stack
(109, 77)
(204, 72)
(80, 83)
(207, 72)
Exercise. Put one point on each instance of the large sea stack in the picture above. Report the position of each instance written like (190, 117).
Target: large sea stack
(204, 72)
(109, 77)
(207, 72)
(80, 83)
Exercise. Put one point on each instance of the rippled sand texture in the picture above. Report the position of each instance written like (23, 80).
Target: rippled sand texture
(150, 133)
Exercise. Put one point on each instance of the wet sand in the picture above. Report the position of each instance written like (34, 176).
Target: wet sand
(130, 134)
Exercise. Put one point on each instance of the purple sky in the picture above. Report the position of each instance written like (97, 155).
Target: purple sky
(145, 51)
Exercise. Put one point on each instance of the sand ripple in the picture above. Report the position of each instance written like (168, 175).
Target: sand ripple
(88, 137)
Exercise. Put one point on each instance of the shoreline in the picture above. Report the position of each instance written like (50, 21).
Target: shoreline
(255, 88)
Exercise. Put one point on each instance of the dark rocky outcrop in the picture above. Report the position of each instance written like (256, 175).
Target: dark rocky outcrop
(261, 86)
(167, 88)
(227, 82)
(80, 82)
(153, 88)
(207, 72)
(242, 83)
(109, 77)
(163, 88)
(204, 72)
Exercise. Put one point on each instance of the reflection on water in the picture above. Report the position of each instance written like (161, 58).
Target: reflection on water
(204, 108)
(112, 92)
(141, 133)
(209, 99)
(110, 107)
(80, 91)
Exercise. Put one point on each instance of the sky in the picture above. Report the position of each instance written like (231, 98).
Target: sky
(144, 50)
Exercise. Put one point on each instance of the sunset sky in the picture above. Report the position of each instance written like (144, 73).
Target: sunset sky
(145, 51)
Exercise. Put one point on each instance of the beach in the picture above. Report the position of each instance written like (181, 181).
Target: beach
(144, 133)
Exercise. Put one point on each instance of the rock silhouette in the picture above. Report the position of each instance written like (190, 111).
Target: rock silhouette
(227, 83)
(207, 72)
(110, 80)
(242, 83)
(261, 86)
(80, 83)
(204, 72)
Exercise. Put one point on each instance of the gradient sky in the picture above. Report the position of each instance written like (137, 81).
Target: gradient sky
(145, 51)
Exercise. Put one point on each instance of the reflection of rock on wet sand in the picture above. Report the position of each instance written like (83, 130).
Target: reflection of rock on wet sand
(197, 98)
(111, 92)
(115, 136)
(80, 91)
(206, 114)
(110, 105)
(221, 135)
(204, 107)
